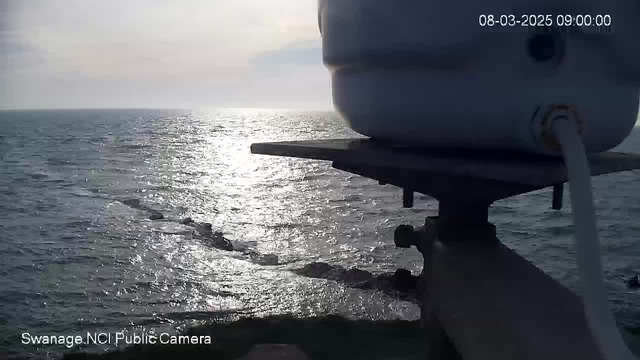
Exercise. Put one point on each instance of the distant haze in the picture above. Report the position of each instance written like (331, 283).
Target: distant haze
(161, 54)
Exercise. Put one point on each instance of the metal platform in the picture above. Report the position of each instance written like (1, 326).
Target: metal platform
(509, 173)
(480, 296)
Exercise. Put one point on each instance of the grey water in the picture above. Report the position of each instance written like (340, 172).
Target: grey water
(74, 258)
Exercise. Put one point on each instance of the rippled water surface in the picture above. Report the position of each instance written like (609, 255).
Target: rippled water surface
(74, 258)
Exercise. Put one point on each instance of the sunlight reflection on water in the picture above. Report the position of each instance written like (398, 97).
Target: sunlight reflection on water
(75, 258)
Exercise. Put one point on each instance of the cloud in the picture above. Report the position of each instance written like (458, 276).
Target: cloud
(155, 51)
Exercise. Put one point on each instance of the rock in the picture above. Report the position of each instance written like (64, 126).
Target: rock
(383, 282)
(225, 245)
(275, 351)
(202, 229)
(135, 204)
(401, 284)
(132, 202)
(156, 215)
(219, 241)
(205, 231)
(403, 280)
(205, 228)
(315, 270)
(264, 259)
(633, 283)
(356, 276)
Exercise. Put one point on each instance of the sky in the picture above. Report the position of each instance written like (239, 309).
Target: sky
(161, 54)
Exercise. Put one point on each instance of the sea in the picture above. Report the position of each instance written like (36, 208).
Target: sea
(75, 258)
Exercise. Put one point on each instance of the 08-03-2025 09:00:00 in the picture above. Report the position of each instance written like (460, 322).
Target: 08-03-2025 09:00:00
(601, 22)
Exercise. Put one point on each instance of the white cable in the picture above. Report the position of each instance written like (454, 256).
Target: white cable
(594, 295)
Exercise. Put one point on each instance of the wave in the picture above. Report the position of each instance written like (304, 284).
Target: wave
(133, 146)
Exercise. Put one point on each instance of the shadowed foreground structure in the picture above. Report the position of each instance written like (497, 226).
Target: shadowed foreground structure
(479, 298)
(329, 337)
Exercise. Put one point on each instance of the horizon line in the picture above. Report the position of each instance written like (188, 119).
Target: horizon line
(195, 108)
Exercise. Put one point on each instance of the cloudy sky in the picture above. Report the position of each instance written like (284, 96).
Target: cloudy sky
(161, 53)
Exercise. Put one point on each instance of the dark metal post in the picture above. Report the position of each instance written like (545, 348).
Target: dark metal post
(461, 220)
(439, 345)
(407, 198)
(558, 193)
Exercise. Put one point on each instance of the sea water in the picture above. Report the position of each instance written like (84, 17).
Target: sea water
(75, 259)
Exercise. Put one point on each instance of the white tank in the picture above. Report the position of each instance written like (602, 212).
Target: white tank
(437, 74)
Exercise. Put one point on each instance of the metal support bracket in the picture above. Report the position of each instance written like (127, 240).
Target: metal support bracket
(479, 297)
(407, 198)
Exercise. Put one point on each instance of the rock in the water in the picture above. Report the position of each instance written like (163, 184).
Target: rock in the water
(633, 283)
(357, 276)
(156, 215)
(219, 241)
(400, 284)
(264, 259)
(132, 202)
(135, 204)
(275, 352)
(205, 228)
(205, 231)
(403, 280)
(315, 270)
(202, 229)
(383, 282)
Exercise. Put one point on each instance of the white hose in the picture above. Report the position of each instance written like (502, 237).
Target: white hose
(599, 318)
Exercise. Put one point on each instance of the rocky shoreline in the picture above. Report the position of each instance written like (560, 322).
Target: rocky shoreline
(203, 231)
(400, 284)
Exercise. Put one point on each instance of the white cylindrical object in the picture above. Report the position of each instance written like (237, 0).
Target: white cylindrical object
(592, 288)
(426, 73)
